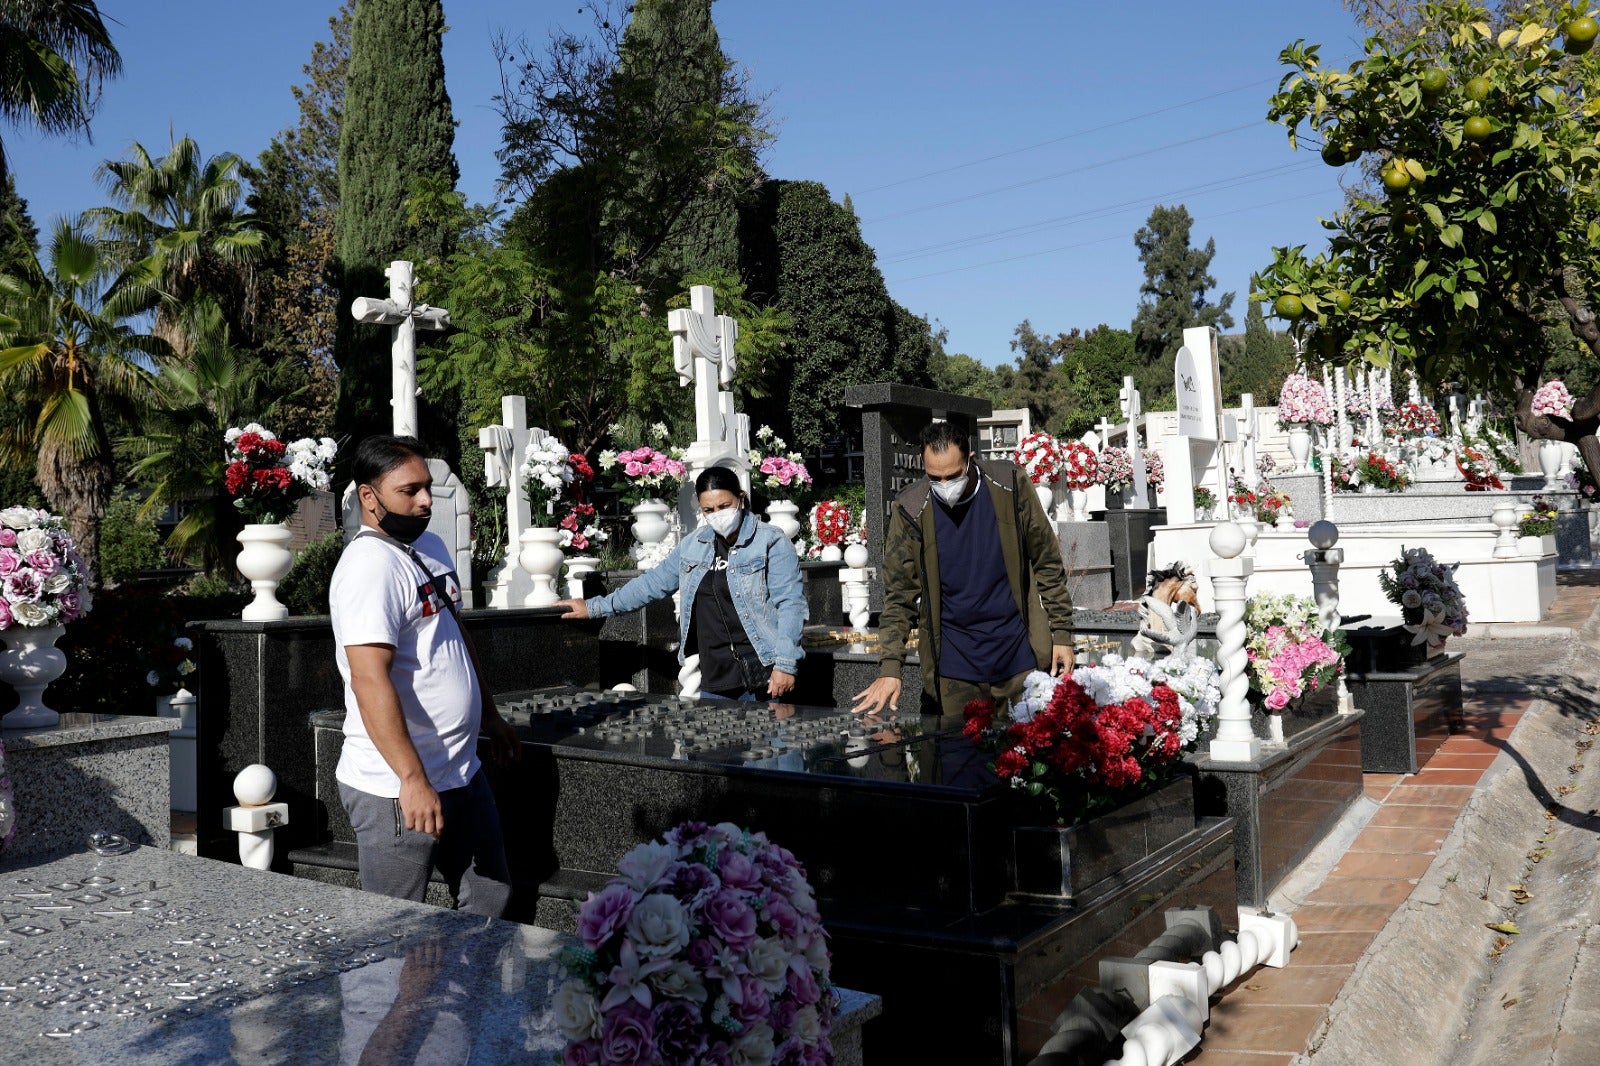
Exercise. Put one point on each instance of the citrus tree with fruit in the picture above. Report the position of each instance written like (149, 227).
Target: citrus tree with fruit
(1475, 222)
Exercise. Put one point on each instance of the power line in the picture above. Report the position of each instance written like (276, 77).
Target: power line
(1218, 185)
(1101, 240)
(1067, 173)
(1069, 136)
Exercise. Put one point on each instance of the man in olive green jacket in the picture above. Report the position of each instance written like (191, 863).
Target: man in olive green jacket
(972, 561)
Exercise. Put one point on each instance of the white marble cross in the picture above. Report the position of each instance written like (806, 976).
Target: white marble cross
(1134, 413)
(398, 311)
(703, 355)
(1105, 426)
(1248, 433)
(503, 447)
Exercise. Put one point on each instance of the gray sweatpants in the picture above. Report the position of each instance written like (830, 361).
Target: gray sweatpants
(470, 853)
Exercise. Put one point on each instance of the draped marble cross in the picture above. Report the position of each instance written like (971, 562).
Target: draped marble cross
(399, 312)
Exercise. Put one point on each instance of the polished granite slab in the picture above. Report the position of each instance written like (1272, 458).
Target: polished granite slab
(156, 958)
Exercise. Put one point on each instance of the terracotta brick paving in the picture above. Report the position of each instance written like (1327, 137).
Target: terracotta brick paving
(1269, 1016)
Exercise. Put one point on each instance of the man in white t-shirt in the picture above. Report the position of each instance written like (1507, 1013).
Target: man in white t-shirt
(409, 774)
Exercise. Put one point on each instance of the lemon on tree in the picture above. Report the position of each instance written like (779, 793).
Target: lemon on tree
(1477, 128)
(1434, 81)
(1288, 306)
(1580, 34)
(1340, 298)
(1395, 176)
(1478, 89)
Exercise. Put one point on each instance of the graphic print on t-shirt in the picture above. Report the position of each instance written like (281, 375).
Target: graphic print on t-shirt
(431, 603)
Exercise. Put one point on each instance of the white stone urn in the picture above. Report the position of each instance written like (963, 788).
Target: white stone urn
(1505, 519)
(1551, 456)
(783, 515)
(541, 556)
(29, 663)
(1046, 494)
(1300, 448)
(577, 567)
(265, 558)
(650, 524)
(831, 553)
(1078, 505)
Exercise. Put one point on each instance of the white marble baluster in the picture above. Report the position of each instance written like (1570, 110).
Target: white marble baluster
(1230, 574)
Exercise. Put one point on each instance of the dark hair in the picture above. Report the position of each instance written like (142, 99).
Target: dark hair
(714, 478)
(941, 435)
(377, 455)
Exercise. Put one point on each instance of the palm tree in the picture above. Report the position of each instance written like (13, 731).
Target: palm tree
(72, 365)
(178, 454)
(179, 224)
(52, 55)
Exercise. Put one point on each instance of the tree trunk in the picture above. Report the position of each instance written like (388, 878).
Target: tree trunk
(79, 490)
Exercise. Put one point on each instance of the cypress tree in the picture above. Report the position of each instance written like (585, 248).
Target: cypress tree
(397, 130)
(1172, 298)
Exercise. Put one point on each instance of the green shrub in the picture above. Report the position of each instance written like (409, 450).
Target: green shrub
(128, 543)
(305, 590)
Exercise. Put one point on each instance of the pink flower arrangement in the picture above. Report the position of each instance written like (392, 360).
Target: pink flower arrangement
(1553, 400)
(1303, 402)
(645, 473)
(1040, 457)
(708, 948)
(1155, 469)
(778, 472)
(1116, 469)
(42, 577)
(1080, 467)
(1290, 652)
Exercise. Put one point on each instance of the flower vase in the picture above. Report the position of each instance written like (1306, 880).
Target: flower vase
(1300, 448)
(578, 567)
(1126, 496)
(29, 663)
(782, 516)
(265, 559)
(1505, 520)
(541, 556)
(831, 553)
(1078, 504)
(650, 525)
(1550, 464)
(1046, 494)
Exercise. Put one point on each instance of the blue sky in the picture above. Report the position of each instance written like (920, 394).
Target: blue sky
(1000, 155)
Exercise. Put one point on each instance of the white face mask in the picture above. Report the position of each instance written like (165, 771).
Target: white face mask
(725, 521)
(951, 491)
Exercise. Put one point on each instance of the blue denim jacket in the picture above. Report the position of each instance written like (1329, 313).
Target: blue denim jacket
(763, 577)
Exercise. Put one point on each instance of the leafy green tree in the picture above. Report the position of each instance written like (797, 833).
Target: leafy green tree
(1038, 384)
(1092, 368)
(1480, 234)
(963, 375)
(1172, 297)
(177, 222)
(53, 56)
(397, 128)
(1257, 362)
(129, 541)
(72, 366)
(19, 240)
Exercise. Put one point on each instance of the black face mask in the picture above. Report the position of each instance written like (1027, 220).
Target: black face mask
(404, 528)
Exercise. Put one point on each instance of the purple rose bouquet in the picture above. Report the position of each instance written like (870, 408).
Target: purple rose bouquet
(707, 949)
(42, 577)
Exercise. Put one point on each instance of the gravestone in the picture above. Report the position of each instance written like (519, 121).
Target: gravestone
(312, 520)
(508, 585)
(1196, 457)
(892, 419)
(451, 519)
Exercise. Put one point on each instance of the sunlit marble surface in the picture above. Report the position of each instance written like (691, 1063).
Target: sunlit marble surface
(155, 957)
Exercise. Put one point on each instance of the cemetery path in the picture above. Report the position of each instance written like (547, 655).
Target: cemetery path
(1398, 963)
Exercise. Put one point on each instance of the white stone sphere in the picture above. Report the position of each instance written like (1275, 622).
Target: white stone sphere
(255, 786)
(1323, 534)
(1227, 540)
(857, 556)
(624, 687)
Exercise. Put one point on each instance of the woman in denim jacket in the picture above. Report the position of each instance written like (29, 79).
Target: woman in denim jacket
(743, 605)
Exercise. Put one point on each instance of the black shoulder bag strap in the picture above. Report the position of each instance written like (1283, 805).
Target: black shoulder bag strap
(434, 583)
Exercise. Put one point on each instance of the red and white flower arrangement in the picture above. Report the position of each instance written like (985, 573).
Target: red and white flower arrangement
(1553, 400)
(267, 477)
(550, 475)
(1290, 652)
(1478, 467)
(1417, 420)
(708, 948)
(775, 470)
(1080, 467)
(580, 533)
(43, 579)
(1303, 402)
(1080, 740)
(645, 474)
(830, 522)
(1383, 473)
(1040, 457)
(1116, 469)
